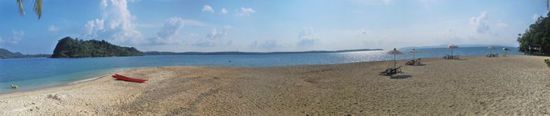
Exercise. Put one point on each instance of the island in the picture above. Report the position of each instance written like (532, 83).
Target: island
(7, 54)
(77, 48)
(254, 53)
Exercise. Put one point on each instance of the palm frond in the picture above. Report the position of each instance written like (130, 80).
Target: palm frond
(21, 8)
(38, 8)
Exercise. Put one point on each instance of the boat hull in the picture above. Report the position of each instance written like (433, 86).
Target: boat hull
(128, 79)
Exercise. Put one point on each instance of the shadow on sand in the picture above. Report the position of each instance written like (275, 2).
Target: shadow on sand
(459, 59)
(400, 77)
(418, 65)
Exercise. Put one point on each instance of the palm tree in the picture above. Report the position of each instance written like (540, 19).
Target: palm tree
(37, 7)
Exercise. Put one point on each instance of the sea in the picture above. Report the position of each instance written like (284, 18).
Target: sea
(36, 73)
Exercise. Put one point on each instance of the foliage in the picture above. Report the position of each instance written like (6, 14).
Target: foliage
(537, 35)
(37, 7)
(75, 48)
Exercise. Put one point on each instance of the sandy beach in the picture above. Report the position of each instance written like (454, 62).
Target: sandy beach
(516, 85)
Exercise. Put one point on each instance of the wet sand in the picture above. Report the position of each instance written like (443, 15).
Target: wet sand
(517, 85)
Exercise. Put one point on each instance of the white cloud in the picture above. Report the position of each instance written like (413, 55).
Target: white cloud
(116, 23)
(267, 45)
(371, 2)
(217, 34)
(214, 38)
(501, 24)
(307, 37)
(53, 28)
(170, 32)
(386, 2)
(246, 11)
(14, 38)
(224, 11)
(93, 27)
(428, 3)
(208, 8)
(189, 22)
(480, 23)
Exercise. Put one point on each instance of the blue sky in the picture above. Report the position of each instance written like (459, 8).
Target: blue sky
(267, 25)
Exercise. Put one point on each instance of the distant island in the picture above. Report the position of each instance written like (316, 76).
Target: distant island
(75, 48)
(443, 46)
(5, 54)
(252, 53)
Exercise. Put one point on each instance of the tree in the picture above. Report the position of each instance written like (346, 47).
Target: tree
(37, 7)
(78, 48)
(536, 37)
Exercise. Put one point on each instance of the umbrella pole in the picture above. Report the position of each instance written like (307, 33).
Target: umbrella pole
(394, 62)
(451, 52)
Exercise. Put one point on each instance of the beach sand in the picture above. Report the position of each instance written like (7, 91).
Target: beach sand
(516, 85)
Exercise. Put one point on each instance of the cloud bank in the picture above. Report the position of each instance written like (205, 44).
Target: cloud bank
(116, 24)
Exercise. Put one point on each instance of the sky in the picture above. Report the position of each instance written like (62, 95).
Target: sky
(267, 25)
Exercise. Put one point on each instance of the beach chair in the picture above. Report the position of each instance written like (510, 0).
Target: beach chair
(418, 62)
(411, 62)
(415, 62)
(456, 57)
(492, 55)
(391, 71)
(448, 57)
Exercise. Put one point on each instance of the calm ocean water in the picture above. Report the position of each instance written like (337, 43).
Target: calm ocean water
(33, 73)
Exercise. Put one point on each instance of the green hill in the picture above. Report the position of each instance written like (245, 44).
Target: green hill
(75, 48)
(7, 54)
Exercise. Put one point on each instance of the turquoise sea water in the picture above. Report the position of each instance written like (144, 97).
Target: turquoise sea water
(34, 73)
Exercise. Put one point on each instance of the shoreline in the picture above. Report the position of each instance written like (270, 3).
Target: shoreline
(118, 70)
(90, 78)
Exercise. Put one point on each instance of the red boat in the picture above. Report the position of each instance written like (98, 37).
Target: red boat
(129, 79)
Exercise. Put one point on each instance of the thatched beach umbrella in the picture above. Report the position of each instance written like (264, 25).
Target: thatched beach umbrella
(394, 52)
(451, 47)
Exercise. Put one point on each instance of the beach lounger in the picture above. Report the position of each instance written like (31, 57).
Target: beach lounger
(447, 57)
(391, 71)
(411, 62)
(492, 55)
(451, 57)
(414, 62)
